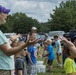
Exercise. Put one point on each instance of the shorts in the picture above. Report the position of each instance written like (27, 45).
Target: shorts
(6, 72)
(32, 70)
(58, 54)
(50, 62)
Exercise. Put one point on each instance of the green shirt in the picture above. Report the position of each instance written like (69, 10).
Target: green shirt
(6, 62)
(69, 66)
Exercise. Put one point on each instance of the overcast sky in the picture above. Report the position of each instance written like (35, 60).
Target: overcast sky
(37, 9)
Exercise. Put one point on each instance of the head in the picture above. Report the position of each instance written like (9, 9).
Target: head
(15, 43)
(49, 41)
(69, 53)
(23, 51)
(3, 14)
(55, 37)
(33, 29)
(45, 43)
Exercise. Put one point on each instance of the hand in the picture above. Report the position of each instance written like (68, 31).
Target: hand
(15, 36)
(29, 42)
(43, 55)
(31, 63)
(64, 39)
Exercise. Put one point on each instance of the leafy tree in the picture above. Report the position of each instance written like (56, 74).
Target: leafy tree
(19, 23)
(63, 17)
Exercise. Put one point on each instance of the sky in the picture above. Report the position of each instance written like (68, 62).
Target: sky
(37, 9)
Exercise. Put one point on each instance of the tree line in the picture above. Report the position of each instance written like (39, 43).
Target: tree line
(63, 18)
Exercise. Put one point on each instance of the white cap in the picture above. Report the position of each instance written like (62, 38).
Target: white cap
(34, 28)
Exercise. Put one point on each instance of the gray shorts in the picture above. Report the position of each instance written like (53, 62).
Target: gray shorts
(32, 70)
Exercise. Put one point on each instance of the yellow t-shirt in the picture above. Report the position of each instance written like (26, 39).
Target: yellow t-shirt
(69, 66)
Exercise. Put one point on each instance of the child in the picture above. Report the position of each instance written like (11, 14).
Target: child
(50, 54)
(20, 68)
(32, 51)
(69, 64)
(58, 50)
(44, 51)
(45, 46)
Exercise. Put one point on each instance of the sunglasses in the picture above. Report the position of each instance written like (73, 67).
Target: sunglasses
(24, 49)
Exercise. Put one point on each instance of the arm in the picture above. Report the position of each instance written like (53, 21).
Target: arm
(58, 47)
(20, 72)
(15, 36)
(28, 36)
(69, 44)
(10, 51)
(29, 58)
(46, 54)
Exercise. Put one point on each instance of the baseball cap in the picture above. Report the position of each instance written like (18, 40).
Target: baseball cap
(4, 10)
(34, 28)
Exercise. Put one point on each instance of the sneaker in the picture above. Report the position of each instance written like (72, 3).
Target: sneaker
(49, 71)
(60, 65)
(63, 72)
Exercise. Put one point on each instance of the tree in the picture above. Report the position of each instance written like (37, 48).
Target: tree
(63, 17)
(19, 23)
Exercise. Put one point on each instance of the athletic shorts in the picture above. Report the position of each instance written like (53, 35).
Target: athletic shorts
(59, 54)
(50, 62)
(32, 70)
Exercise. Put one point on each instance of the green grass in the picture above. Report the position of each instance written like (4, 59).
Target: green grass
(56, 70)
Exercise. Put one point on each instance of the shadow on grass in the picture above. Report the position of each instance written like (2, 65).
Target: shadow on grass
(58, 71)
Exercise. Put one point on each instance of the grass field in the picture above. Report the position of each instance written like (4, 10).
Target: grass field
(56, 70)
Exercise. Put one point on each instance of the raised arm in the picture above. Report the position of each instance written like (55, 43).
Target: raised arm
(10, 51)
(69, 44)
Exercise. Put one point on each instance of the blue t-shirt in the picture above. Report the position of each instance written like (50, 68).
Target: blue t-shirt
(51, 51)
(33, 53)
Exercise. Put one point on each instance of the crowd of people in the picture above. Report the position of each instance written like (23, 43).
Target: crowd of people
(20, 52)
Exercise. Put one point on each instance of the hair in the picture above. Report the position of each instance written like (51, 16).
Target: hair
(67, 50)
(45, 42)
(69, 39)
(55, 36)
(49, 40)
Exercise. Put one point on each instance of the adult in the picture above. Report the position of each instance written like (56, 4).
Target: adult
(74, 41)
(6, 51)
(69, 44)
